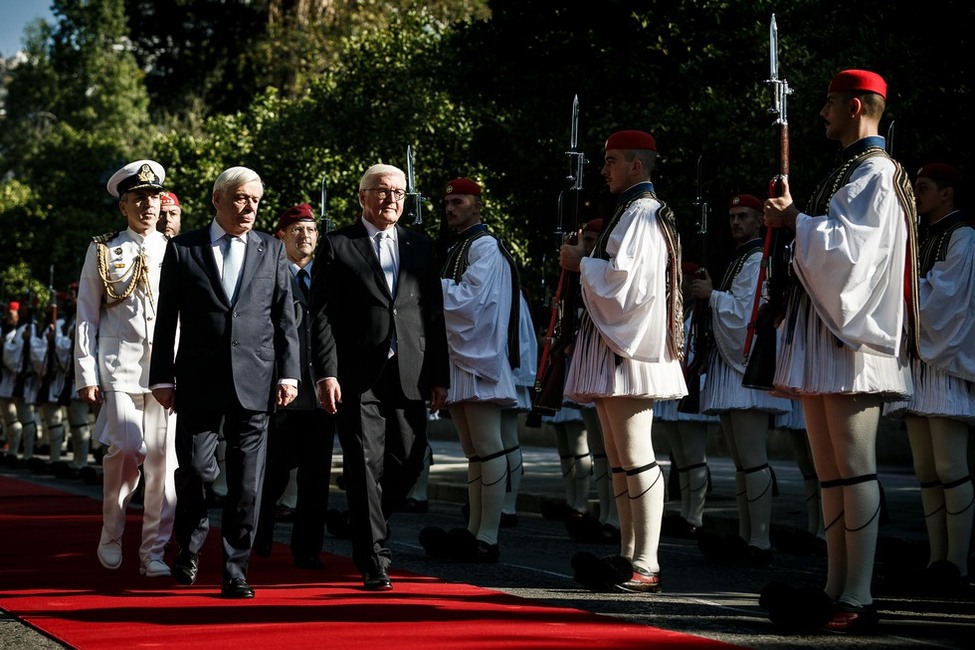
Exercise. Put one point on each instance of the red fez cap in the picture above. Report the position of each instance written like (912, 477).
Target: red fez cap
(746, 201)
(858, 81)
(294, 214)
(462, 186)
(593, 225)
(631, 140)
(14, 305)
(168, 198)
(945, 174)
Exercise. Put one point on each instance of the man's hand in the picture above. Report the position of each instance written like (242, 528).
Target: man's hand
(438, 397)
(781, 212)
(166, 396)
(570, 255)
(329, 394)
(702, 286)
(286, 394)
(91, 395)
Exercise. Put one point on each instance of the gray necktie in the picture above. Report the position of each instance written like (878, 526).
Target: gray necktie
(233, 256)
(383, 244)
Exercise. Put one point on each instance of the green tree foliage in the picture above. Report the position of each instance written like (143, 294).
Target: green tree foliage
(76, 111)
(311, 92)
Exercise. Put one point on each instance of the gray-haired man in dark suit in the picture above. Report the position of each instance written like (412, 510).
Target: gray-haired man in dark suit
(225, 296)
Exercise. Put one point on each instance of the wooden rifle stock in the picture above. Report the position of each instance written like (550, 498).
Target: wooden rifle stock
(552, 365)
(760, 361)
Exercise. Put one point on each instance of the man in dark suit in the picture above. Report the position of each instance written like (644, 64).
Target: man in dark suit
(301, 434)
(379, 346)
(225, 297)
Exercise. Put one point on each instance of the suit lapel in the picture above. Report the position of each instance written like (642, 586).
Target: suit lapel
(202, 251)
(252, 260)
(367, 248)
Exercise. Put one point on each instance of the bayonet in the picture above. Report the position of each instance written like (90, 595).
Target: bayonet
(576, 158)
(326, 222)
(700, 203)
(416, 203)
(779, 108)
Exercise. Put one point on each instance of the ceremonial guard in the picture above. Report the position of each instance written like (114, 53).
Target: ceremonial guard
(940, 414)
(744, 412)
(481, 309)
(849, 328)
(18, 383)
(117, 296)
(628, 353)
(52, 353)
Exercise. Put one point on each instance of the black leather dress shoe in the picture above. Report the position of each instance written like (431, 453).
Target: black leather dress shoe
(186, 567)
(236, 588)
(377, 581)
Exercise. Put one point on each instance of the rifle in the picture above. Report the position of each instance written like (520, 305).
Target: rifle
(50, 361)
(18, 390)
(414, 208)
(760, 362)
(701, 325)
(550, 378)
(326, 221)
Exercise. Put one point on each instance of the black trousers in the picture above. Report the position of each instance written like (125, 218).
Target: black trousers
(384, 437)
(196, 441)
(299, 439)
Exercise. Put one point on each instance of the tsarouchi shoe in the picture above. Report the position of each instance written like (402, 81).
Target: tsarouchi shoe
(110, 551)
(601, 575)
(804, 609)
(155, 569)
(853, 619)
(642, 581)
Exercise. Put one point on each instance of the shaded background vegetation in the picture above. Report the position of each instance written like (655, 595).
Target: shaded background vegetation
(311, 92)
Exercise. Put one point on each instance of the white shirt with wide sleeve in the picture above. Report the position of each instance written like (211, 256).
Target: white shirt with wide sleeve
(476, 312)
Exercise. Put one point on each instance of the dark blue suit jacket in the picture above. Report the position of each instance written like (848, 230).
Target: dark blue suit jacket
(246, 346)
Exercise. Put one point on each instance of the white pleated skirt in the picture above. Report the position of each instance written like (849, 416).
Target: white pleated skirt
(595, 373)
(467, 387)
(666, 410)
(723, 391)
(794, 420)
(811, 361)
(563, 415)
(936, 394)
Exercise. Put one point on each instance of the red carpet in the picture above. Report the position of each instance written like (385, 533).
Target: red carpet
(50, 578)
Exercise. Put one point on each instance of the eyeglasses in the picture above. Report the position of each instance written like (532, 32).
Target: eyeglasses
(302, 230)
(385, 192)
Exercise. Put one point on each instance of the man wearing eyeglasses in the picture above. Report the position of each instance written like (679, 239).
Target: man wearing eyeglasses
(301, 434)
(379, 347)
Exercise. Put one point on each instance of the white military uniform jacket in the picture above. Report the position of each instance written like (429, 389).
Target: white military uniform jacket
(113, 342)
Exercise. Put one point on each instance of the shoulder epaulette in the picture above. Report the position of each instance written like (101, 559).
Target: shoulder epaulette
(104, 239)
